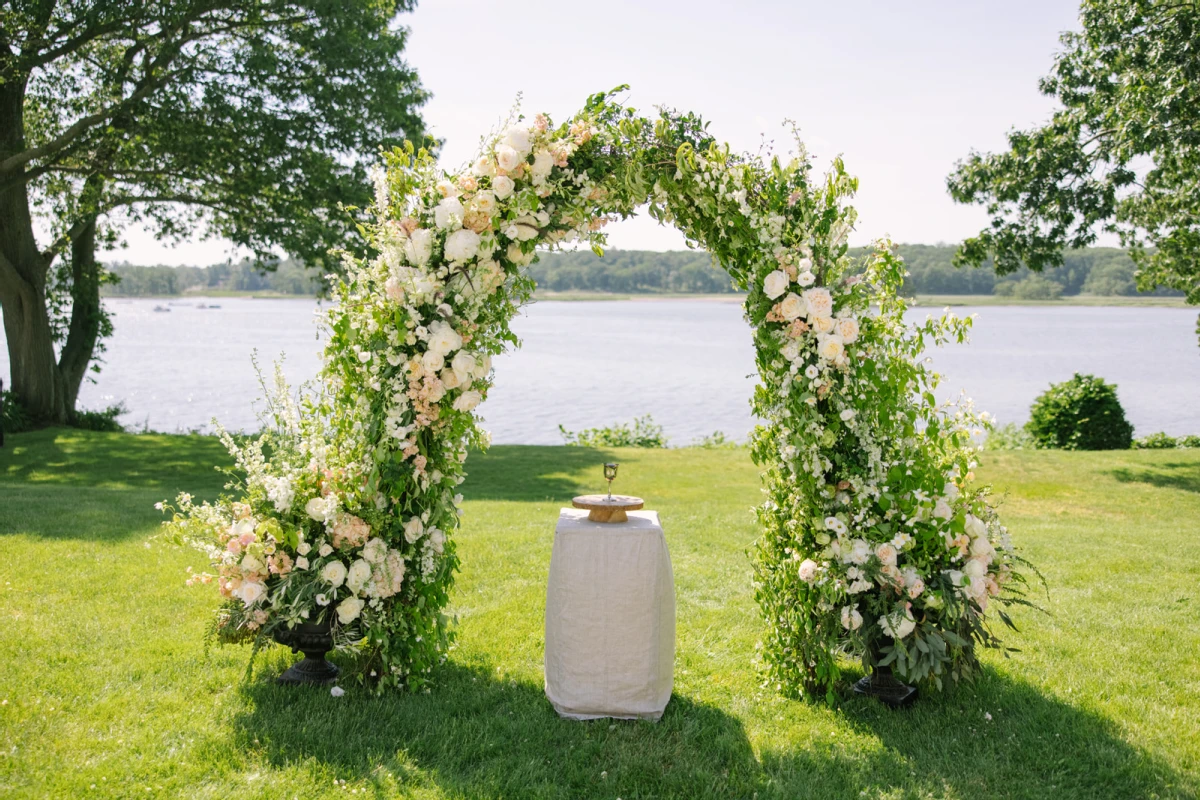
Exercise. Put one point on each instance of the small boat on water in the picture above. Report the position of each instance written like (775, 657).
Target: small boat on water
(161, 308)
(201, 305)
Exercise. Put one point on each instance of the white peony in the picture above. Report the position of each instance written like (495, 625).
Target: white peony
(507, 158)
(375, 550)
(502, 187)
(847, 328)
(349, 609)
(804, 265)
(775, 284)
(851, 619)
(485, 202)
(467, 400)
(897, 625)
(792, 306)
(358, 575)
(433, 361)
(976, 528)
(543, 162)
(448, 213)
(418, 247)
(484, 167)
(830, 347)
(517, 138)
(808, 570)
(886, 554)
(334, 573)
(462, 246)
(443, 338)
(819, 302)
(447, 188)
(450, 379)
(413, 529)
(823, 324)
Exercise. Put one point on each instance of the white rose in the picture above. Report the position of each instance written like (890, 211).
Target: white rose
(806, 279)
(507, 159)
(301, 562)
(443, 338)
(851, 619)
(804, 265)
(447, 188)
(522, 233)
(808, 570)
(897, 625)
(792, 306)
(437, 540)
(483, 366)
(819, 302)
(517, 256)
(250, 592)
(517, 138)
(543, 162)
(315, 508)
(433, 361)
(464, 366)
(325, 550)
(502, 187)
(823, 324)
(450, 379)
(484, 167)
(349, 609)
(830, 348)
(485, 202)
(467, 400)
(886, 554)
(448, 213)
(847, 328)
(413, 529)
(860, 551)
(334, 573)
(462, 245)
(846, 415)
(976, 528)
(859, 586)
(811, 372)
(776, 284)
(982, 549)
(375, 550)
(358, 575)
(418, 247)
(303, 548)
(252, 564)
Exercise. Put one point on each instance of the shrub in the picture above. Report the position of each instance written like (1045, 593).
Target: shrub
(104, 420)
(13, 418)
(1082, 413)
(1009, 437)
(717, 440)
(1164, 441)
(642, 433)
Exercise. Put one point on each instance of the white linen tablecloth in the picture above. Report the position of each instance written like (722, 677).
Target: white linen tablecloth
(610, 618)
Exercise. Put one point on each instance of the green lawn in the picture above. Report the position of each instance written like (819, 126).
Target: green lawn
(108, 692)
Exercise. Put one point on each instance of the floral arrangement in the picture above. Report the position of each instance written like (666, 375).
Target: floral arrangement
(875, 540)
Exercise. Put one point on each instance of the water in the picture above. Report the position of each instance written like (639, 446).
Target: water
(687, 363)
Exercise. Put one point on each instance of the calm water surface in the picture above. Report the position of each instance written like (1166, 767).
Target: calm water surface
(688, 363)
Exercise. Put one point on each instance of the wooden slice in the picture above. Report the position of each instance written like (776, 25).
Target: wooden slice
(602, 508)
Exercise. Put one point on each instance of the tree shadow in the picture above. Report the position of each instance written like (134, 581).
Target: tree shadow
(479, 735)
(1174, 475)
(532, 473)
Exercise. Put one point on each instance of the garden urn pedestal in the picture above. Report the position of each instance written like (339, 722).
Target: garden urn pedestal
(885, 687)
(314, 639)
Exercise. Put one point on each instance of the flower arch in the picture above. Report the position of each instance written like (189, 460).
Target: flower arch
(875, 540)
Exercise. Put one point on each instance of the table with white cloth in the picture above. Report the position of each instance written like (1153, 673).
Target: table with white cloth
(610, 618)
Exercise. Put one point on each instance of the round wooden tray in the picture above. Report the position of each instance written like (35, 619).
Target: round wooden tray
(605, 508)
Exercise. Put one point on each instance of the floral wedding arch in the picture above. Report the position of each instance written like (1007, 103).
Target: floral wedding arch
(875, 540)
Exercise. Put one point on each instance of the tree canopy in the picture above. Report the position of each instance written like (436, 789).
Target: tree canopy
(249, 119)
(1121, 155)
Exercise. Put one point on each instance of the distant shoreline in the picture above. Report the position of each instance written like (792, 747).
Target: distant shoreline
(923, 301)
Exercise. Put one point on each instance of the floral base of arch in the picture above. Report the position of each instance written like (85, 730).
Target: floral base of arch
(875, 538)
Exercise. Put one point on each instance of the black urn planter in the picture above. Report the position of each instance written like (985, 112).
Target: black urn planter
(885, 687)
(314, 639)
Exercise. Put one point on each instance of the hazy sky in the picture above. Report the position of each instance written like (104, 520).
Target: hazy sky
(901, 90)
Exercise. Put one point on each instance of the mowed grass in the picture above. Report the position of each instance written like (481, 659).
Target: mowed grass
(107, 689)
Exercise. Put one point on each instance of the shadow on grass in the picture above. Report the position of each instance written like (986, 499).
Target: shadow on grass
(533, 473)
(1175, 475)
(478, 735)
(67, 457)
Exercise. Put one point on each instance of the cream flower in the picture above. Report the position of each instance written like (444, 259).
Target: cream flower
(975, 527)
(502, 187)
(464, 366)
(851, 619)
(776, 283)
(517, 138)
(462, 246)
(250, 592)
(808, 570)
(820, 303)
(447, 188)
(830, 347)
(860, 551)
(942, 510)
(847, 328)
(806, 279)
(395, 569)
(375, 550)
(792, 306)
(334, 573)
(413, 529)
(484, 167)
(507, 159)
(349, 609)
(433, 361)
(467, 400)
(448, 213)
(358, 575)
(485, 202)
(886, 554)
(450, 379)
(823, 324)
(443, 339)
(897, 625)
(418, 247)
(543, 162)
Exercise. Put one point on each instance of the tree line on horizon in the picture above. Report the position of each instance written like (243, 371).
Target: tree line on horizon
(1102, 271)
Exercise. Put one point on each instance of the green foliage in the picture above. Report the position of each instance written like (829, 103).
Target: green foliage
(1031, 287)
(14, 418)
(1122, 154)
(104, 420)
(1009, 437)
(717, 440)
(643, 432)
(1082, 413)
(287, 277)
(1163, 441)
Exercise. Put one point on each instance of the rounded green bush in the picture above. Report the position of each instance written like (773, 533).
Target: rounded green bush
(1082, 413)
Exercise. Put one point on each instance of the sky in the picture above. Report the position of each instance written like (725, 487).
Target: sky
(900, 90)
